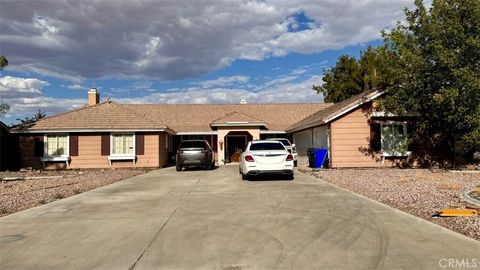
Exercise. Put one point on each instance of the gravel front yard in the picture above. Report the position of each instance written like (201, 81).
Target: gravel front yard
(418, 192)
(19, 195)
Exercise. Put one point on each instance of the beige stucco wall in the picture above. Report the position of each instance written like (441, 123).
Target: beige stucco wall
(151, 156)
(222, 132)
(350, 134)
(163, 150)
(89, 154)
(89, 149)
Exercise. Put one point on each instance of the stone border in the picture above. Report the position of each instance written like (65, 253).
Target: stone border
(467, 198)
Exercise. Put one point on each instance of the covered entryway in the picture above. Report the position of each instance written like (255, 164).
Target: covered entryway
(234, 130)
(236, 142)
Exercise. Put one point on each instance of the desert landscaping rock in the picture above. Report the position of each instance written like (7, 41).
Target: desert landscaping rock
(33, 188)
(418, 192)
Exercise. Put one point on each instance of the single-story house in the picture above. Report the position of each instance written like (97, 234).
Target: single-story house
(109, 134)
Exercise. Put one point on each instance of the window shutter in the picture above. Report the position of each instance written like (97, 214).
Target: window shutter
(375, 137)
(38, 146)
(105, 145)
(73, 143)
(139, 144)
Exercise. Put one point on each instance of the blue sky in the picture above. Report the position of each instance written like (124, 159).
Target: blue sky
(178, 52)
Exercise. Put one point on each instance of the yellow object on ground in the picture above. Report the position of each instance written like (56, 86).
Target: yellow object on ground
(457, 212)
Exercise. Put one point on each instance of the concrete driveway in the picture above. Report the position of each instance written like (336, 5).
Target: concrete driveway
(214, 220)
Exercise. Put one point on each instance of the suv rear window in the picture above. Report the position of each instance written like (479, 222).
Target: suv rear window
(193, 144)
(267, 146)
(285, 142)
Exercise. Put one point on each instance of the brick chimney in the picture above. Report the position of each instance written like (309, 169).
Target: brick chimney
(93, 97)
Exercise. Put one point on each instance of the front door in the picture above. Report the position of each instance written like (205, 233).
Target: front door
(235, 146)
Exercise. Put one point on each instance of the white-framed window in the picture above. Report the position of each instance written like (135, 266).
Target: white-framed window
(122, 144)
(394, 139)
(56, 145)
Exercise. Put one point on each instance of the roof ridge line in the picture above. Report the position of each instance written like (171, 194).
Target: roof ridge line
(225, 104)
(234, 112)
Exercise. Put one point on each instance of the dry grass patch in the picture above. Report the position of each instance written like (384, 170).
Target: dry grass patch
(450, 186)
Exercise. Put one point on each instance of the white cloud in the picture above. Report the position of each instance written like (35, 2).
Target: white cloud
(15, 87)
(178, 39)
(21, 107)
(224, 81)
(76, 87)
(280, 80)
(299, 71)
(25, 97)
(279, 93)
(44, 25)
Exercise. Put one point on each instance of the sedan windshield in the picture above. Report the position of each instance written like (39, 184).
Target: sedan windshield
(267, 146)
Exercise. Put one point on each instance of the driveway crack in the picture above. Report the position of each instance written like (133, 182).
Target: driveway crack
(159, 231)
(153, 239)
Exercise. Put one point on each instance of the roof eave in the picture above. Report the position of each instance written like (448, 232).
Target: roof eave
(307, 126)
(353, 106)
(238, 124)
(84, 130)
(336, 115)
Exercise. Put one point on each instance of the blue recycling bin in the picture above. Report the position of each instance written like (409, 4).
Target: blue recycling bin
(319, 156)
(311, 157)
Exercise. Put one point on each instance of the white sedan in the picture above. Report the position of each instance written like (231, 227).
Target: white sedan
(266, 157)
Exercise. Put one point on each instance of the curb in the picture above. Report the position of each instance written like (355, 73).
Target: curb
(467, 198)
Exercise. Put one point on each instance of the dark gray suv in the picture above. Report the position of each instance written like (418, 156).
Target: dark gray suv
(195, 153)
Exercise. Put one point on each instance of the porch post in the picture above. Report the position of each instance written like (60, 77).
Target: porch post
(221, 146)
(255, 133)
